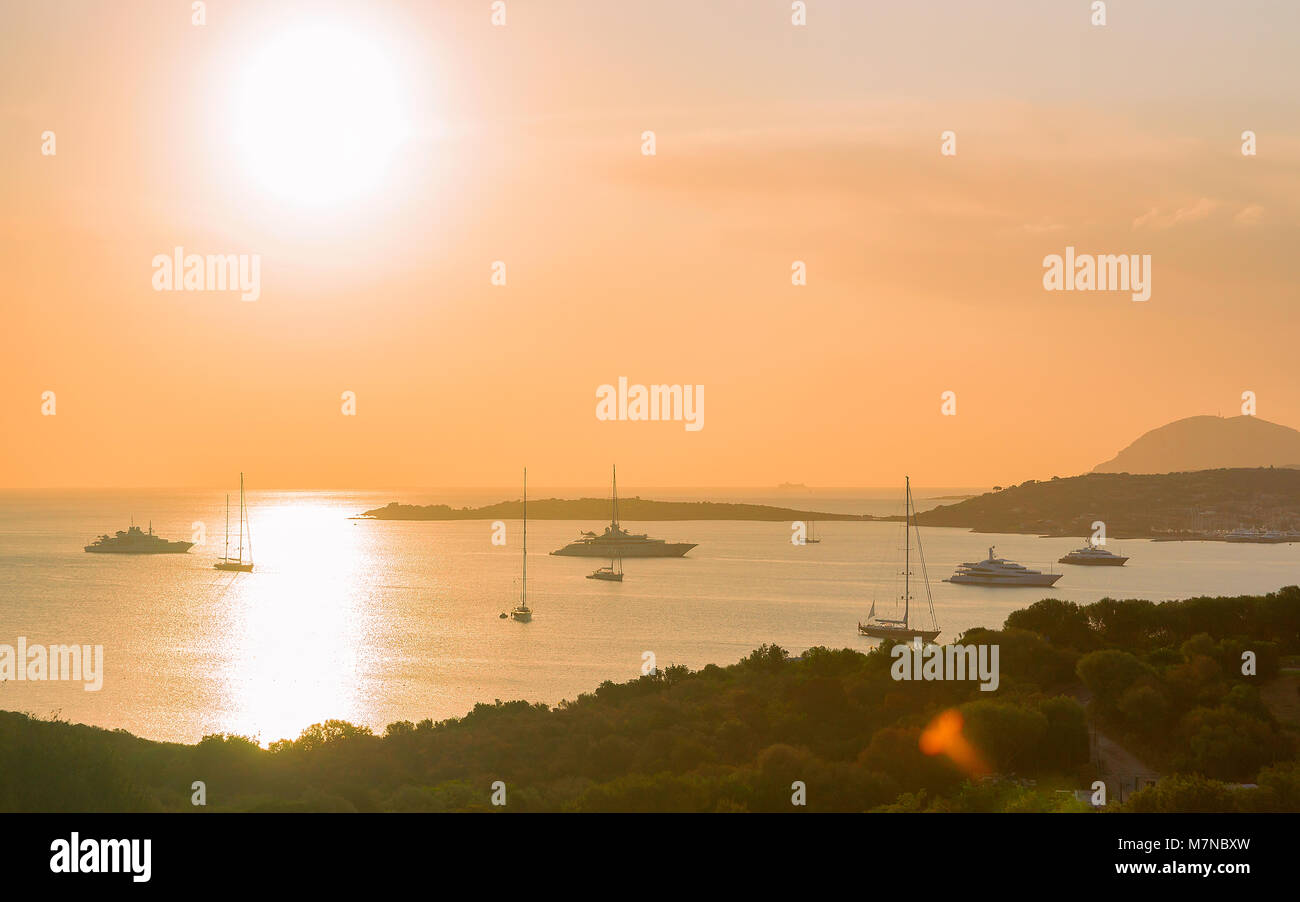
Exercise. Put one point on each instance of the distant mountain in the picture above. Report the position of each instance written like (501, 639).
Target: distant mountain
(1208, 443)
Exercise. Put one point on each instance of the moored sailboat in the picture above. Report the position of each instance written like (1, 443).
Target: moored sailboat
(237, 564)
(810, 537)
(522, 612)
(612, 573)
(903, 630)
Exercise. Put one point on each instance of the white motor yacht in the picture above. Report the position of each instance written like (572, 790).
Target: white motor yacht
(996, 571)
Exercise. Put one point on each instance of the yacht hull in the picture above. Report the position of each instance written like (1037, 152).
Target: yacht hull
(169, 548)
(897, 633)
(667, 549)
(1105, 562)
(1041, 579)
(233, 567)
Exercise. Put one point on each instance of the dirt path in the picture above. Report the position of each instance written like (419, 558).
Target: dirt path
(1123, 772)
(1282, 696)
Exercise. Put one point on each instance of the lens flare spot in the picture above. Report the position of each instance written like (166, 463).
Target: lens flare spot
(945, 736)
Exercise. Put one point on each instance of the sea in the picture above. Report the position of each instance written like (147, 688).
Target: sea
(374, 622)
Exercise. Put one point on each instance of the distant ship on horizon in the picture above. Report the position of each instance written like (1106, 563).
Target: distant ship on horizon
(136, 541)
(617, 543)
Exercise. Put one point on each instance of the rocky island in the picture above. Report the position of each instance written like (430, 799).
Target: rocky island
(1196, 505)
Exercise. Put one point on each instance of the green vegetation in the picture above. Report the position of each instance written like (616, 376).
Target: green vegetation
(1164, 678)
(1170, 505)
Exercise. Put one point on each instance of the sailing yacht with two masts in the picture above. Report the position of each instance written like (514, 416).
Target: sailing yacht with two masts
(903, 630)
(810, 534)
(522, 612)
(238, 564)
(614, 572)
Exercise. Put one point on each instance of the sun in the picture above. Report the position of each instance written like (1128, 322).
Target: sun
(318, 115)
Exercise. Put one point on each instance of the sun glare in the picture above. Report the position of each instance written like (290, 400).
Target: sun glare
(318, 115)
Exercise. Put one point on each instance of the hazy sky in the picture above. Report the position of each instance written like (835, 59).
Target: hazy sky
(460, 143)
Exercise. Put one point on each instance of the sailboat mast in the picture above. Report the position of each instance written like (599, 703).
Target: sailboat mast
(227, 555)
(615, 496)
(241, 516)
(525, 595)
(907, 547)
(244, 507)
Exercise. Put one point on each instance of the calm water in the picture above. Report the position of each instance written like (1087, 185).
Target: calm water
(375, 622)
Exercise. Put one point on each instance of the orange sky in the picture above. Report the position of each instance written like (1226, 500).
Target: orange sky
(522, 144)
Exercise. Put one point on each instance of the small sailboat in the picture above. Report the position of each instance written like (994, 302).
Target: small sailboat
(810, 537)
(903, 630)
(522, 612)
(612, 573)
(237, 564)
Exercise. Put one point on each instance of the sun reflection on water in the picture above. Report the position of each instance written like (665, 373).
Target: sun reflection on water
(298, 623)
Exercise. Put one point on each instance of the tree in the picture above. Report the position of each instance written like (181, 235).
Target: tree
(1059, 622)
(1183, 793)
(1109, 673)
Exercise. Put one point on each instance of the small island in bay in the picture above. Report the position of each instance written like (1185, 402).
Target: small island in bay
(632, 509)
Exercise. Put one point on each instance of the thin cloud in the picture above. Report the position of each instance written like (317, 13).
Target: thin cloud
(1156, 220)
(1249, 215)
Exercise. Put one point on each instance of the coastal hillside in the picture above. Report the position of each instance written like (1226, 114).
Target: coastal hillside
(1208, 443)
(1133, 506)
(631, 509)
(1161, 683)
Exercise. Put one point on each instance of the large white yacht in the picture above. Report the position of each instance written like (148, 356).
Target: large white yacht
(995, 571)
(1093, 556)
(617, 542)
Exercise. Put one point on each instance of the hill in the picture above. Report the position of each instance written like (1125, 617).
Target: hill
(1208, 443)
(1133, 506)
